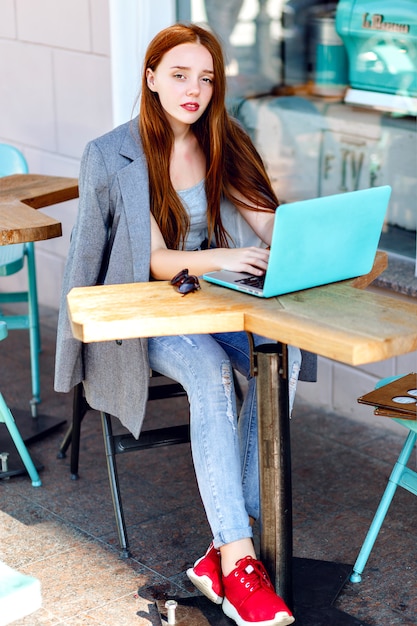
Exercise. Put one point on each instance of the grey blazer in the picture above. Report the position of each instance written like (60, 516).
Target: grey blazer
(113, 175)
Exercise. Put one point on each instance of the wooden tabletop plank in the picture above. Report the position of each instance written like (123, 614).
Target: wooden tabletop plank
(336, 321)
(37, 190)
(379, 266)
(19, 223)
(20, 194)
(149, 309)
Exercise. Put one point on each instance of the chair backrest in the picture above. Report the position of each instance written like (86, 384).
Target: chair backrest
(3, 330)
(12, 161)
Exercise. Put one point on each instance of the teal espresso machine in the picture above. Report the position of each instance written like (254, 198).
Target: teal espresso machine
(380, 38)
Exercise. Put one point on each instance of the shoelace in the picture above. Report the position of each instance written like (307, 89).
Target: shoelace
(255, 573)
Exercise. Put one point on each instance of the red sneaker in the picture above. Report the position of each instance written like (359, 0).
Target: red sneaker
(250, 598)
(206, 575)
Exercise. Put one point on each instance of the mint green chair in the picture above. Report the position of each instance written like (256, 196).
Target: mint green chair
(401, 476)
(6, 417)
(12, 260)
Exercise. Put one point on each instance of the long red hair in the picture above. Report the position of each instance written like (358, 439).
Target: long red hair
(232, 160)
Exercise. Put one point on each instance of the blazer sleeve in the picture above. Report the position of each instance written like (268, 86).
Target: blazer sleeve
(88, 240)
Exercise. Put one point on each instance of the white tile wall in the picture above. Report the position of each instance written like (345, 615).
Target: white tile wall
(7, 21)
(27, 94)
(55, 23)
(100, 27)
(83, 99)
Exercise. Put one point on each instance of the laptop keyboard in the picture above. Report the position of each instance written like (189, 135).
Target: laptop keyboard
(253, 281)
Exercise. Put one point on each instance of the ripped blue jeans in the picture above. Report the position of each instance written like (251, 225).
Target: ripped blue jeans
(224, 445)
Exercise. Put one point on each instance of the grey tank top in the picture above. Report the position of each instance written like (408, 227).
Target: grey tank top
(195, 203)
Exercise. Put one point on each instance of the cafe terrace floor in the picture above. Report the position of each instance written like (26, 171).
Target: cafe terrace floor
(64, 534)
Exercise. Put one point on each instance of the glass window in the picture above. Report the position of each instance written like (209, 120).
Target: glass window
(319, 116)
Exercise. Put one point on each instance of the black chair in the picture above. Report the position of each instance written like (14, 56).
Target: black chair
(115, 444)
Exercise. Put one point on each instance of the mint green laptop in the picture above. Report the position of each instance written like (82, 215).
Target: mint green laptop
(316, 242)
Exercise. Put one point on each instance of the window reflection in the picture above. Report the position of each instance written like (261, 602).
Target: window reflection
(250, 31)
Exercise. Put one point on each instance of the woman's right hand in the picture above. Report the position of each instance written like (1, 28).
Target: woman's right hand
(252, 260)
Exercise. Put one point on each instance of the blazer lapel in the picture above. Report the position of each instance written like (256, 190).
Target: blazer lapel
(134, 188)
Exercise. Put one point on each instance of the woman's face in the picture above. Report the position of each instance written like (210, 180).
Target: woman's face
(184, 82)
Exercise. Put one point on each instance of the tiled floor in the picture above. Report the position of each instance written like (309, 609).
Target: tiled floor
(64, 532)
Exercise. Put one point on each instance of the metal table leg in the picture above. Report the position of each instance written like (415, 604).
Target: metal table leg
(270, 361)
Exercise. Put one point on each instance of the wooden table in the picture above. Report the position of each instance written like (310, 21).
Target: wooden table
(21, 195)
(20, 222)
(340, 321)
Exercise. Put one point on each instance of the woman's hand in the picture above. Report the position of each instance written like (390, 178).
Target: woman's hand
(252, 260)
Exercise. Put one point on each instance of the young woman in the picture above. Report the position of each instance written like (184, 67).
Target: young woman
(179, 177)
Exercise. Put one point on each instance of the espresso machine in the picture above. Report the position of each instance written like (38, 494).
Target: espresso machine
(380, 39)
(363, 50)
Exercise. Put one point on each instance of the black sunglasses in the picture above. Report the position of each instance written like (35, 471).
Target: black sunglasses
(185, 282)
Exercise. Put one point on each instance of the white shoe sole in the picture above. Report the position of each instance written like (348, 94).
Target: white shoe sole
(203, 584)
(280, 619)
